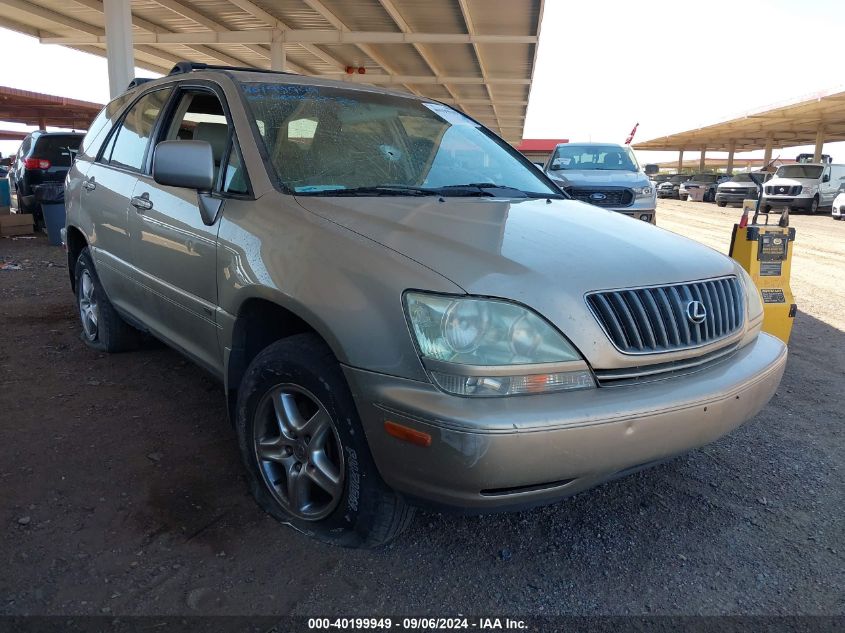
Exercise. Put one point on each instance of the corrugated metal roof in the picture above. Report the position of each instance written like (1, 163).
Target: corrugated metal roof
(450, 59)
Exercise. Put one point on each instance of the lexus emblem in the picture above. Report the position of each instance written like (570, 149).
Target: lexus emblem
(598, 195)
(696, 312)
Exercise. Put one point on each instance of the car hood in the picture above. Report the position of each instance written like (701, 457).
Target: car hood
(738, 185)
(599, 177)
(544, 254)
(791, 182)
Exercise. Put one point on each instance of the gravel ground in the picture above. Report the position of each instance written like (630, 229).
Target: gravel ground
(121, 491)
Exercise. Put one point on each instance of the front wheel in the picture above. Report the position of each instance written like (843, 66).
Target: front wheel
(307, 460)
(814, 205)
(102, 327)
(721, 203)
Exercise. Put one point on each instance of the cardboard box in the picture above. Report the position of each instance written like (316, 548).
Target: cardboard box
(15, 224)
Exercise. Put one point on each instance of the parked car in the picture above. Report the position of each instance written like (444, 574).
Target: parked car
(738, 188)
(400, 307)
(803, 187)
(43, 157)
(672, 186)
(605, 175)
(707, 182)
(837, 209)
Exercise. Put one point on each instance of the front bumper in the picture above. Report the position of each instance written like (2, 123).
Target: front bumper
(490, 454)
(803, 203)
(671, 193)
(732, 198)
(639, 209)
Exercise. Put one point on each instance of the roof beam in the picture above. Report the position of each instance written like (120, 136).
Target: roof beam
(403, 25)
(471, 30)
(428, 79)
(342, 29)
(223, 35)
(57, 18)
(277, 25)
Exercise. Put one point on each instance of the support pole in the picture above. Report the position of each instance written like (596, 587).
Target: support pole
(767, 154)
(119, 52)
(680, 160)
(278, 59)
(731, 152)
(702, 160)
(817, 156)
(42, 123)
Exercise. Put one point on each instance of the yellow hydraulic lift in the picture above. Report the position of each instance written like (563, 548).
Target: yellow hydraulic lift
(765, 251)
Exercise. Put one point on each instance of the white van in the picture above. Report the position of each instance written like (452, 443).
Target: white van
(803, 186)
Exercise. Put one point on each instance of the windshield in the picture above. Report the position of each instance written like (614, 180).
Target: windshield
(605, 157)
(338, 141)
(678, 179)
(60, 150)
(741, 178)
(703, 178)
(799, 171)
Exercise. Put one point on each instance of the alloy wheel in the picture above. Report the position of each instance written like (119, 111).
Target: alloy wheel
(89, 311)
(298, 451)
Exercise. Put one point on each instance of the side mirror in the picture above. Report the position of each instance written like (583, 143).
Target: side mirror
(188, 164)
(651, 169)
(826, 178)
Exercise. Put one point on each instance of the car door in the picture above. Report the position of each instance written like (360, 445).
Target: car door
(174, 251)
(106, 189)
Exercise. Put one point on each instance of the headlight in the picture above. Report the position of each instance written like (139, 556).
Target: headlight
(488, 347)
(676, 186)
(642, 192)
(754, 304)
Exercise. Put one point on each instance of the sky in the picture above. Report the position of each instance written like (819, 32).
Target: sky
(603, 66)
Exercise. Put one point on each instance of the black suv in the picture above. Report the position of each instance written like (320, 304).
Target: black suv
(43, 157)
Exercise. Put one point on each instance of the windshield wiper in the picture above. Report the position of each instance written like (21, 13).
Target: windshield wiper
(379, 190)
(493, 190)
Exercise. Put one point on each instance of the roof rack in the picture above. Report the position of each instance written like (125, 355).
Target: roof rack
(137, 81)
(186, 67)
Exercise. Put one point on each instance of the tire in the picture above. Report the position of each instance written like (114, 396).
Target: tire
(814, 206)
(102, 327)
(722, 203)
(294, 384)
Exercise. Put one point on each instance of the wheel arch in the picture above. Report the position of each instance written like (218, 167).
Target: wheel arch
(260, 321)
(76, 242)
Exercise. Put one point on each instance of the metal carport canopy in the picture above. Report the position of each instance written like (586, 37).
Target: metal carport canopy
(808, 121)
(476, 54)
(35, 108)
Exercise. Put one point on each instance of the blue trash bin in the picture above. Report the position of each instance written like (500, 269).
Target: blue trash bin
(51, 197)
(54, 220)
(5, 193)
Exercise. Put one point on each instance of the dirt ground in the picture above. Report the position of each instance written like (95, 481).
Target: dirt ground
(121, 490)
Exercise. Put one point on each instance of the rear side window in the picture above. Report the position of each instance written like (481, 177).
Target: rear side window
(101, 125)
(128, 145)
(60, 150)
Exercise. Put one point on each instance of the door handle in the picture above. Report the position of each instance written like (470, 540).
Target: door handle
(89, 184)
(142, 202)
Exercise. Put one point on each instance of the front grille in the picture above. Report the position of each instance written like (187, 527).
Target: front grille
(654, 320)
(663, 371)
(613, 197)
(778, 190)
(738, 190)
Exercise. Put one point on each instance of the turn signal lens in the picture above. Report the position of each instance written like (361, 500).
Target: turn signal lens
(513, 385)
(407, 434)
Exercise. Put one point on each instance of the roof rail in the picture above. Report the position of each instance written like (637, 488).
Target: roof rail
(186, 67)
(137, 81)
